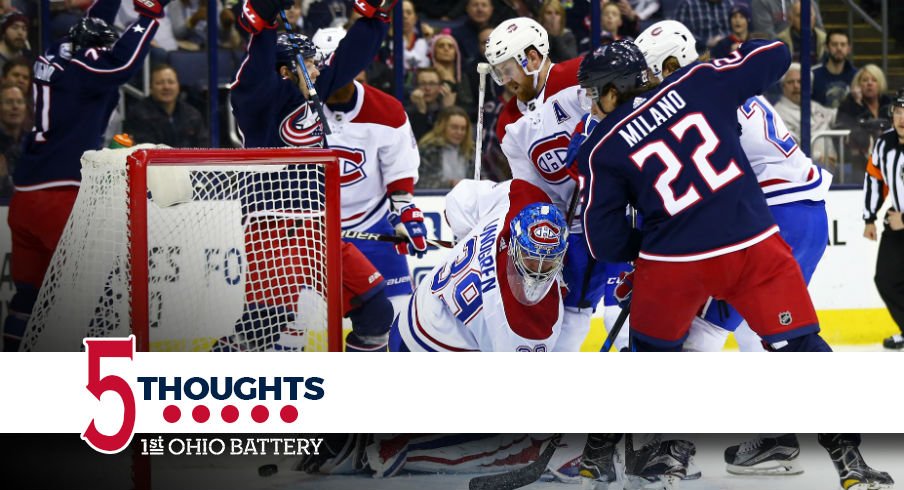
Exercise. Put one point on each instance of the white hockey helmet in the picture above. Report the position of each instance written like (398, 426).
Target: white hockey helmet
(326, 40)
(667, 38)
(509, 40)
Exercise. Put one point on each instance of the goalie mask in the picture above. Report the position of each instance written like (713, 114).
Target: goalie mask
(536, 251)
(286, 47)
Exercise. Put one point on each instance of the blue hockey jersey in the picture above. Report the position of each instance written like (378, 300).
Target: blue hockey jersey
(674, 153)
(75, 94)
(271, 111)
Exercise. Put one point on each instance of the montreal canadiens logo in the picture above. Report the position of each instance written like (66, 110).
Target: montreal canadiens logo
(511, 28)
(548, 156)
(544, 233)
(351, 165)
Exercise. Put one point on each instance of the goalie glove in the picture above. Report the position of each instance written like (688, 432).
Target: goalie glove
(150, 8)
(408, 222)
(375, 9)
(624, 288)
(258, 15)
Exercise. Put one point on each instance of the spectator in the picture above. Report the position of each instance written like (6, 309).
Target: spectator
(447, 62)
(189, 21)
(447, 151)
(12, 132)
(708, 20)
(479, 14)
(644, 9)
(612, 22)
(13, 37)
(562, 43)
(832, 79)
(416, 46)
(18, 72)
(426, 100)
(327, 13)
(163, 118)
(293, 15)
(771, 16)
(473, 79)
(740, 32)
(864, 112)
(821, 118)
(791, 35)
(630, 18)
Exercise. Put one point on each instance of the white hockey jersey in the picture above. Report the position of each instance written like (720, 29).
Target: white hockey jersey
(534, 136)
(376, 147)
(785, 174)
(466, 303)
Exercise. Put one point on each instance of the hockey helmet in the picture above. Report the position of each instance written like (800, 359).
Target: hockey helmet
(326, 41)
(91, 32)
(620, 64)
(287, 44)
(898, 101)
(667, 38)
(539, 240)
(509, 41)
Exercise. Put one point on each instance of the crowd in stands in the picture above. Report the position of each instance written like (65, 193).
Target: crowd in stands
(443, 42)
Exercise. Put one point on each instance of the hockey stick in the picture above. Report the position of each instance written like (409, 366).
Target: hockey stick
(482, 69)
(613, 332)
(376, 237)
(315, 99)
(519, 477)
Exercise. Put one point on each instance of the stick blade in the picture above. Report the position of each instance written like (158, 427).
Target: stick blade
(520, 477)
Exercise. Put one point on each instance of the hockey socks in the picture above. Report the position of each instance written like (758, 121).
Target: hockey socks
(370, 325)
(811, 342)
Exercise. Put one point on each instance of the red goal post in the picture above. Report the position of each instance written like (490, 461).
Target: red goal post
(198, 249)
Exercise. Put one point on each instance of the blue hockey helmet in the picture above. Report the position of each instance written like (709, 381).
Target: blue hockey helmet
(619, 63)
(91, 32)
(537, 251)
(287, 44)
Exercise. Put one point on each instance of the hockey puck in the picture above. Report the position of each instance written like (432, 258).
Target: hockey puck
(267, 470)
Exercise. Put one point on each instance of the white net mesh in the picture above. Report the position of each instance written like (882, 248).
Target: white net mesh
(237, 258)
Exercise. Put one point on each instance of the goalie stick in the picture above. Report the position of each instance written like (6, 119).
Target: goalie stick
(519, 477)
(315, 99)
(482, 69)
(376, 237)
(613, 332)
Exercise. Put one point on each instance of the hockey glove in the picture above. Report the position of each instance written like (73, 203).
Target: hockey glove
(581, 131)
(408, 222)
(375, 9)
(150, 8)
(624, 288)
(258, 15)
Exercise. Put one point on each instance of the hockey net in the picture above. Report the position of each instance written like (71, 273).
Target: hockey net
(198, 250)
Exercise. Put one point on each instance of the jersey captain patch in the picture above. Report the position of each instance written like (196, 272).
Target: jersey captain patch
(548, 156)
(561, 115)
(351, 165)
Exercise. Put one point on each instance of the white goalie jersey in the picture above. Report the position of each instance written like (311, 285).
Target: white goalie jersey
(784, 172)
(467, 302)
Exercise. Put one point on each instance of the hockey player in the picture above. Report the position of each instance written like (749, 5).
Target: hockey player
(372, 134)
(290, 119)
(534, 129)
(794, 187)
(707, 230)
(76, 85)
(498, 289)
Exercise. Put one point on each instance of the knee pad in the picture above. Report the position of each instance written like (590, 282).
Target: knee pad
(811, 342)
(373, 317)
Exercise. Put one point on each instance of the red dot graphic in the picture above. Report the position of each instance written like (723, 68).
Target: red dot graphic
(171, 414)
(260, 414)
(201, 414)
(230, 414)
(289, 414)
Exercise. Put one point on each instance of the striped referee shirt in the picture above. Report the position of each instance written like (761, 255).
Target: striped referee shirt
(884, 175)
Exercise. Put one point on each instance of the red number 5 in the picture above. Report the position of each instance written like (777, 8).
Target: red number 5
(98, 349)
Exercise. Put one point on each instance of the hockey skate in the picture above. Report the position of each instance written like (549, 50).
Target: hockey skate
(894, 342)
(765, 456)
(658, 465)
(854, 473)
(601, 465)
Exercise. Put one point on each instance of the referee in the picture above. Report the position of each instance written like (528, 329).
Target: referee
(885, 175)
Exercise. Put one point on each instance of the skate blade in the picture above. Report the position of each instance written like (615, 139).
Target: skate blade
(769, 468)
(661, 482)
(866, 486)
